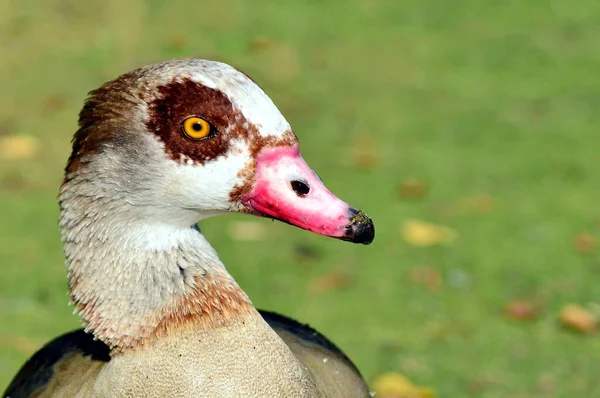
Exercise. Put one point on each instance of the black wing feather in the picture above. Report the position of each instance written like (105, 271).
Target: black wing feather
(39, 369)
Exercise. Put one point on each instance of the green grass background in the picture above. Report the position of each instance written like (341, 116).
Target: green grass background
(472, 97)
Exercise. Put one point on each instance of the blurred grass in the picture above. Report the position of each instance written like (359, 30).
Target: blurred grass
(470, 97)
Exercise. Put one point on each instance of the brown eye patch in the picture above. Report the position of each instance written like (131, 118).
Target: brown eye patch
(180, 99)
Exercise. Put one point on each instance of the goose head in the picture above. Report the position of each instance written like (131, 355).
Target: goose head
(188, 139)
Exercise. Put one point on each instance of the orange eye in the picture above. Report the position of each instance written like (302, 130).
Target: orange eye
(196, 128)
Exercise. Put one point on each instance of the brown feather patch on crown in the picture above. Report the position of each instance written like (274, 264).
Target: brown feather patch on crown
(131, 105)
(107, 110)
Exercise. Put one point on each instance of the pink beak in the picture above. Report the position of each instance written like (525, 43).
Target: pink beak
(288, 190)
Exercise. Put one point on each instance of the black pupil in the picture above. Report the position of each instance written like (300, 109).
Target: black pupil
(197, 126)
(301, 188)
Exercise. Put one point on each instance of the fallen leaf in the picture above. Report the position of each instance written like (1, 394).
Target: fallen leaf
(578, 318)
(18, 147)
(21, 343)
(547, 383)
(363, 153)
(486, 382)
(585, 243)
(329, 282)
(479, 385)
(13, 181)
(396, 385)
(366, 159)
(248, 231)
(260, 44)
(482, 203)
(6, 126)
(420, 233)
(412, 189)
(176, 43)
(53, 103)
(427, 276)
(521, 310)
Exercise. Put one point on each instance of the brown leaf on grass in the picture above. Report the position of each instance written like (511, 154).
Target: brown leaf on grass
(6, 126)
(546, 383)
(522, 310)
(260, 44)
(412, 189)
(366, 159)
(578, 318)
(13, 181)
(247, 231)
(480, 385)
(176, 43)
(420, 233)
(481, 203)
(25, 345)
(485, 382)
(396, 385)
(21, 343)
(585, 243)
(53, 103)
(426, 276)
(18, 147)
(364, 154)
(329, 282)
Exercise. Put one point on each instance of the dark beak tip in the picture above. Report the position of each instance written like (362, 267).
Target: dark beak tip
(360, 230)
(365, 233)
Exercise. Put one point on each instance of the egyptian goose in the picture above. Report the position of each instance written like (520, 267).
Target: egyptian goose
(157, 150)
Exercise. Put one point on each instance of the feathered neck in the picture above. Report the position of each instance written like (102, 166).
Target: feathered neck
(134, 279)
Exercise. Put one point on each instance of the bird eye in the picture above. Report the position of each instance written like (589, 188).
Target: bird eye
(197, 128)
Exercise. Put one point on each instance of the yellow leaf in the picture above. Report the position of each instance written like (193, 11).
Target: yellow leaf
(578, 319)
(18, 147)
(396, 385)
(420, 233)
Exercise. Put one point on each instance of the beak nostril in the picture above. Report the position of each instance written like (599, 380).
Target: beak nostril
(301, 188)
